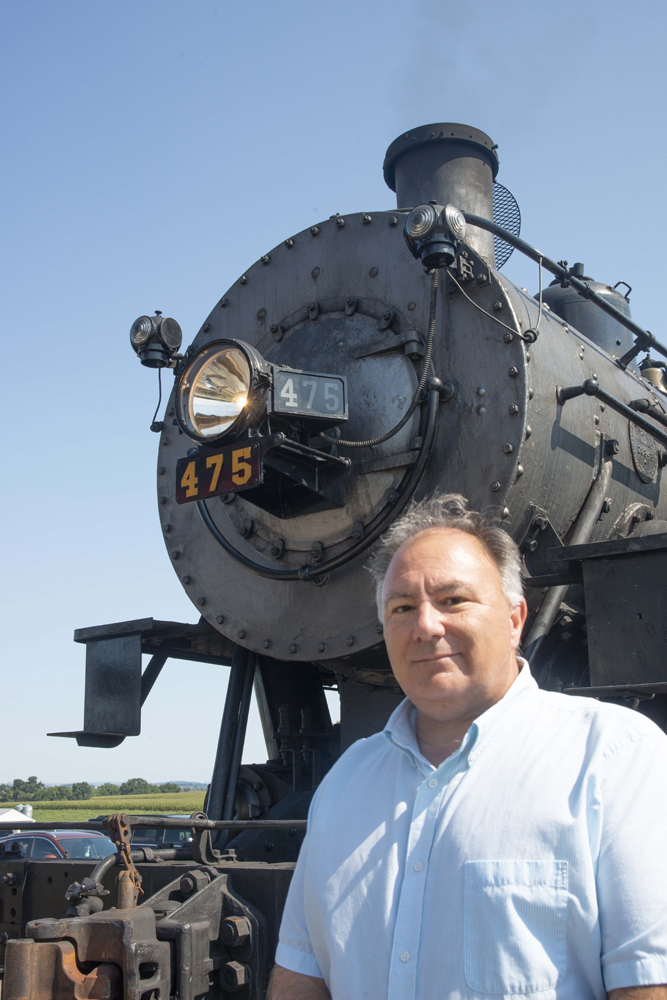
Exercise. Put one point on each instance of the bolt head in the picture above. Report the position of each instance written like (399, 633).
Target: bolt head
(235, 931)
(379, 629)
(187, 580)
(266, 644)
(292, 648)
(241, 633)
(530, 545)
(201, 601)
(234, 976)
(513, 409)
(220, 619)
(321, 646)
(495, 486)
(350, 641)
(508, 448)
(497, 305)
(508, 337)
(513, 372)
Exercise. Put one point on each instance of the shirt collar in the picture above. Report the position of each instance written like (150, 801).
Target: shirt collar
(401, 729)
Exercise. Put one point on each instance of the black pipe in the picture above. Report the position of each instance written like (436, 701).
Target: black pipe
(228, 727)
(162, 823)
(591, 387)
(167, 854)
(645, 340)
(313, 571)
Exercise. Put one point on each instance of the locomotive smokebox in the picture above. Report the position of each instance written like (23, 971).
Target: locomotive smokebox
(448, 164)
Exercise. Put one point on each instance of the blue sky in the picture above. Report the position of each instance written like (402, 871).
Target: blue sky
(152, 151)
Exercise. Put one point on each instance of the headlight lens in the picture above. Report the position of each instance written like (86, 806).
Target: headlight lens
(214, 391)
(141, 330)
(456, 222)
(421, 221)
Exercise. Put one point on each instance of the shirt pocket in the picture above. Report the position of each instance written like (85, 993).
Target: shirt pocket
(514, 920)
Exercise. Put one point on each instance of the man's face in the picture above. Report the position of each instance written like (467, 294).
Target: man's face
(451, 634)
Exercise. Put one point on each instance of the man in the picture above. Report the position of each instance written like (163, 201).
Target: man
(496, 840)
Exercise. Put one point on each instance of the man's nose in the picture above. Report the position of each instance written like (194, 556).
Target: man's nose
(429, 623)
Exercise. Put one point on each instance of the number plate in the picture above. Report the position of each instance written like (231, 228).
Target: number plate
(227, 470)
(306, 395)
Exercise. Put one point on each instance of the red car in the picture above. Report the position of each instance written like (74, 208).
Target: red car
(57, 844)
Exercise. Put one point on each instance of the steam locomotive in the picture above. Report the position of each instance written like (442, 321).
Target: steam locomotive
(368, 361)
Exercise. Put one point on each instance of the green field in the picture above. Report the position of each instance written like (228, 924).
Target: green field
(185, 802)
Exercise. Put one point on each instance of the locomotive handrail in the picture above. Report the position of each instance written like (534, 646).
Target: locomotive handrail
(162, 822)
(644, 341)
(591, 387)
(313, 571)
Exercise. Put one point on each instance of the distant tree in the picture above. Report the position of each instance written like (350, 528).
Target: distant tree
(107, 789)
(136, 786)
(6, 793)
(82, 790)
(56, 793)
(170, 787)
(26, 789)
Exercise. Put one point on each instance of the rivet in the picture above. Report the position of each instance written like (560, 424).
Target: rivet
(506, 513)
(192, 451)
(292, 648)
(321, 646)
(513, 372)
(531, 393)
(314, 273)
(373, 271)
(167, 528)
(602, 407)
(314, 230)
(379, 628)
(508, 337)
(206, 327)
(266, 644)
(392, 496)
(340, 222)
(289, 244)
(261, 313)
(241, 633)
(529, 431)
(508, 448)
(224, 303)
(266, 259)
(228, 497)
(170, 413)
(244, 279)
(367, 219)
(164, 441)
(220, 619)
(393, 221)
(201, 601)
(163, 501)
(187, 580)
(277, 331)
(513, 409)
(596, 420)
(161, 471)
(497, 305)
(519, 471)
(495, 486)
(481, 391)
(412, 305)
(528, 357)
(350, 641)
(176, 554)
(481, 410)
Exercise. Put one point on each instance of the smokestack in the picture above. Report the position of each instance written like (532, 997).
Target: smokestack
(449, 164)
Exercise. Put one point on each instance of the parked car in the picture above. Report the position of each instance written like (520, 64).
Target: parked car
(57, 844)
(174, 837)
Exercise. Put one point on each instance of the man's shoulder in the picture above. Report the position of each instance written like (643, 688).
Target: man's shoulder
(614, 725)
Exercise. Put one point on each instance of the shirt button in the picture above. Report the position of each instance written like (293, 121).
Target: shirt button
(418, 866)
(405, 956)
(432, 782)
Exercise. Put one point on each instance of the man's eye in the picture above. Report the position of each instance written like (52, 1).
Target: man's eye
(401, 609)
(453, 600)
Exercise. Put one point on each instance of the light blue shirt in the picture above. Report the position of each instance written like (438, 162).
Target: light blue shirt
(531, 861)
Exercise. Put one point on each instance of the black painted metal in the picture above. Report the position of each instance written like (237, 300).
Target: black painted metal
(313, 572)
(228, 729)
(593, 388)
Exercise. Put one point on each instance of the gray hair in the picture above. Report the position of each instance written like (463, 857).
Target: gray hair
(449, 510)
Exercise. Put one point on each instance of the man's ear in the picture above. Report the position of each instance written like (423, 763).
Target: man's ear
(517, 621)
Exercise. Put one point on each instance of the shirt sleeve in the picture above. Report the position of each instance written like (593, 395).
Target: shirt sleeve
(632, 860)
(295, 950)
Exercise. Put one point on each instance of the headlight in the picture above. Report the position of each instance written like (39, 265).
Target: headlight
(141, 330)
(215, 391)
(456, 222)
(420, 222)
